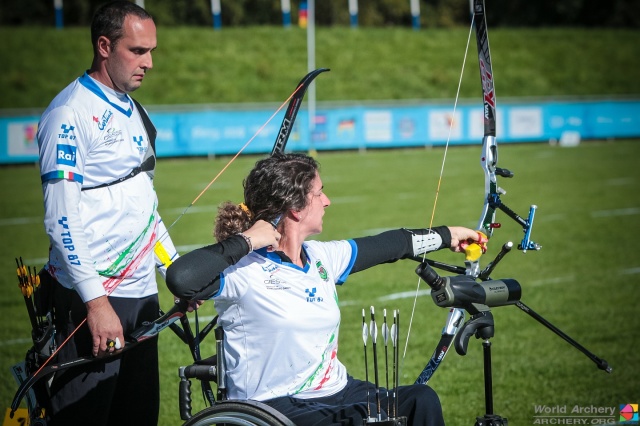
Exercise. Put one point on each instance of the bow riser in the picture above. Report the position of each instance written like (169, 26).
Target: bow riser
(488, 161)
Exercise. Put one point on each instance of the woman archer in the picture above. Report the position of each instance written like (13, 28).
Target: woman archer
(275, 294)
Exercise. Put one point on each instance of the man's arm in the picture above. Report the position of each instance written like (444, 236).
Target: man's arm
(70, 251)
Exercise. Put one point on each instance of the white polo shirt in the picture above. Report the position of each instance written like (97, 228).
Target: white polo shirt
(102, 239)
(281, 322)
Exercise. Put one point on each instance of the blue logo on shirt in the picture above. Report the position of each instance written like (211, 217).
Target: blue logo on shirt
(104, 120)
(66, 155)
(138, 141)
(66, 130)
(312, 295)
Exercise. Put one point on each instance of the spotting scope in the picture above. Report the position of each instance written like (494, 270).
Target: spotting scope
(462, 291)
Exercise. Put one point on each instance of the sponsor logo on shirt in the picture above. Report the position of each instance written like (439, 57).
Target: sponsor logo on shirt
(66, 155)
(67, 241)
(311, 295)
(104, 120)
(112, 136)
(269, 267)
(67, 132)
(138, 141)
(276, 284)
(321, 271)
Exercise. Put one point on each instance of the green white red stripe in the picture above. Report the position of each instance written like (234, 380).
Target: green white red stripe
(62, 174)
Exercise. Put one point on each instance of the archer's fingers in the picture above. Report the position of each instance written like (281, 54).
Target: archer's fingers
(95, 349)
(194, 305)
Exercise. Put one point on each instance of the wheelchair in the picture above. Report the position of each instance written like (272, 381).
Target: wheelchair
(222, 410)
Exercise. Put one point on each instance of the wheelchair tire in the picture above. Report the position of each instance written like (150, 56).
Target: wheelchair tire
(240, 413)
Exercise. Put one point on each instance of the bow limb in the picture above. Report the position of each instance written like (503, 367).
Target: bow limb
(294, 101)
(292, 111)
(289, 118)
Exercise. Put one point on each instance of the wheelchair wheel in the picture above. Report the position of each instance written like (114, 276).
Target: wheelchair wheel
(242, 413)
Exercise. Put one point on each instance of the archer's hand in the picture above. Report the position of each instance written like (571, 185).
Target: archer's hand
(104, 325)
(193, 305)
(462, 238)
(262, 234)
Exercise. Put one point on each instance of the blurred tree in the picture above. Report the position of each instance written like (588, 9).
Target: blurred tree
(434, 13)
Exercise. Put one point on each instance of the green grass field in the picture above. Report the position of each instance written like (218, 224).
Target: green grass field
(262, 64)
(584, 280)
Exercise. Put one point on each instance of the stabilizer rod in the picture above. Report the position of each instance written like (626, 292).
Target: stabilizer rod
(601, 363)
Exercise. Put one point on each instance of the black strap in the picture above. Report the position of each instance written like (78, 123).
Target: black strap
(131, 174)
(149, 162)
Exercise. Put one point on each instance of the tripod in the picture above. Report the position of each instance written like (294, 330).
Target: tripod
(463, 292)
(481, 325)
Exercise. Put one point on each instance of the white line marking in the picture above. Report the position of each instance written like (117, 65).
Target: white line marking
(20, 221)
(620, 181)
(347, 200)
(555, 280)
(190, 247)
(619, 212)
(394, 296)
(404, 295)
(551, 217)
(15, 342)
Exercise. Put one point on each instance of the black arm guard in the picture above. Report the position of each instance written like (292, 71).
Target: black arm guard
(196, 275)
(391, 246)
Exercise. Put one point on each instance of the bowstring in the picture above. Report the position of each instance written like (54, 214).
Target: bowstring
(206, 188)
(435, 202)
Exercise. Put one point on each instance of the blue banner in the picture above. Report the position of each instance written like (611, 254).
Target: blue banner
(218, 132)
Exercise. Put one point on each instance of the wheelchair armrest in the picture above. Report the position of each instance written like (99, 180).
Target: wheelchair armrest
(212, 360)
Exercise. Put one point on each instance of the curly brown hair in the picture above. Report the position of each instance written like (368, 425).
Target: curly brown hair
(231, 219)
(274, 186)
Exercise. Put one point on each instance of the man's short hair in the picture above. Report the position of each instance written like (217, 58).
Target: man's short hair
(108, 21)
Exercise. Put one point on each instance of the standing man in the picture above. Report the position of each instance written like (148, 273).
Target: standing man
(96, 165)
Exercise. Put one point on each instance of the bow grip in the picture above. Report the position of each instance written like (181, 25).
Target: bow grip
(474, 250)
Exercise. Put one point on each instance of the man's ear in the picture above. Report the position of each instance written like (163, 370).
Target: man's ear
(103, 46)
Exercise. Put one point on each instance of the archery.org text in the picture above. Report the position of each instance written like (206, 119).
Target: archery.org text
(576, 409)
(573, 415)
